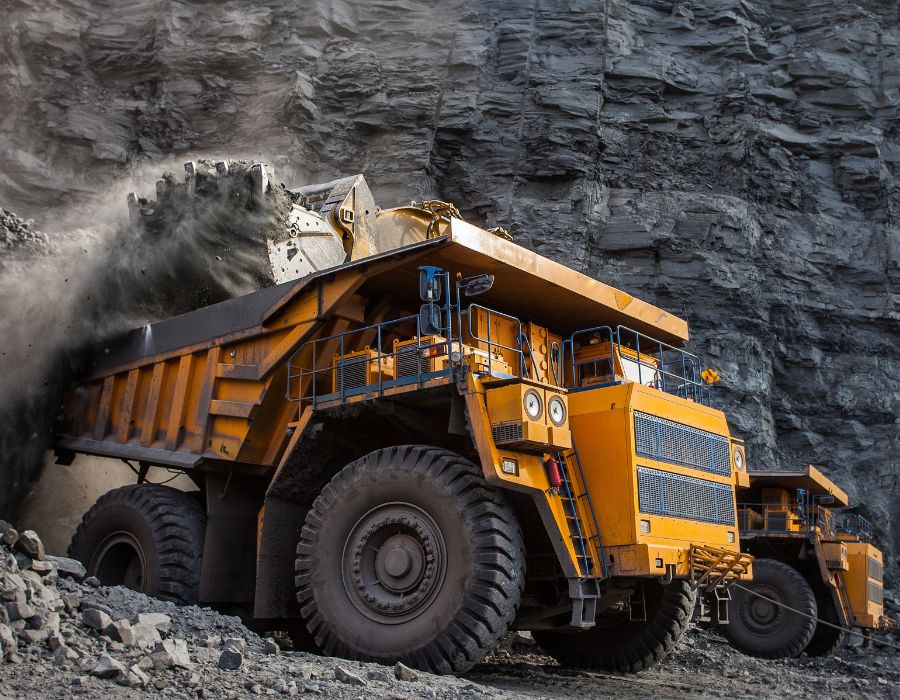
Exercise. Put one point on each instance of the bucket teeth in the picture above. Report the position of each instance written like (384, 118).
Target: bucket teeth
(221, 168)
(190, 177)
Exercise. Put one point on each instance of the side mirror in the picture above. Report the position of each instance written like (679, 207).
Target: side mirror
(476, 285)
(430, 281)
(430, 319)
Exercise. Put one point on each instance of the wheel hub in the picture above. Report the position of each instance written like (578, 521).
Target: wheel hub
(762, 616)
(393, 562)
(120, 561)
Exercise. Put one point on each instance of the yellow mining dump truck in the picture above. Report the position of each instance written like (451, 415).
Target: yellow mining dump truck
(405, 455)
(810, 557)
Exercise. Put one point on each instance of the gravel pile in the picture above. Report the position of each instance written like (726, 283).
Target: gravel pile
(63, 635)
(84, 640)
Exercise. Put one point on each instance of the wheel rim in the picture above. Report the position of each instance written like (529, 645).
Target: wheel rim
(393, 564)
(761, 616)
(120, 561)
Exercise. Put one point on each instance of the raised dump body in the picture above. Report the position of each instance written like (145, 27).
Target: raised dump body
(401, 457)
(815, 560)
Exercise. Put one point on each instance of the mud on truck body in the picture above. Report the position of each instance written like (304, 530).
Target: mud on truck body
(816, 572)
(405, 455)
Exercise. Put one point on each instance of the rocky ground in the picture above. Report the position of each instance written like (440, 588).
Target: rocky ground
(63, 636)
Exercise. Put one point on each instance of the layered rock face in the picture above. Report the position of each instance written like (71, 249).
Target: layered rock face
(733, 161)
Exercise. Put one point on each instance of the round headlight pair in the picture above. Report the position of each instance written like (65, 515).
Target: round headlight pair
(534, 407)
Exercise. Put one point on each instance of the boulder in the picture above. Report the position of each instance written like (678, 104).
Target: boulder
(171, 653)
(68, 567)
(230, 660)
(30, 544)
(96, 619)
(107, 667)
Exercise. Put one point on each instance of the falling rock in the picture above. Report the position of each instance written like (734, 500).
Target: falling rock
(8, 534)
(344, 676)
(230, 659)
(96, 619)
(30, 544)
(120, 631)
(162, 623)
(405, 673)
(170, 653)
(64, 655)
(107, 667)
(68, 567)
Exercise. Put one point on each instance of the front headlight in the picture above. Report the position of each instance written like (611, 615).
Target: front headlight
(533, 404)
(556, 409)
(740, 459)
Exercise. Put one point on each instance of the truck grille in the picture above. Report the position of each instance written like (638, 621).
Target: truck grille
(678, 496)
(876, 593)
(411, 363)
(875, 569)
(507, 432)
(668, 441)
(350, 374)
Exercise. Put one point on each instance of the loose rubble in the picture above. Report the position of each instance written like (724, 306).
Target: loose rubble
(61, 637)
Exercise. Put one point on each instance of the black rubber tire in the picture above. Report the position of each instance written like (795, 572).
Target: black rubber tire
(623, 645)
(757, 628)
(165, 529)
(825, 640)
(463, 611)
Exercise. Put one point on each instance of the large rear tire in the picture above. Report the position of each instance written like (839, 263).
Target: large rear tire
(408, 555)
(757, 627)
(826, 640)
(618, 644)
(145, 537)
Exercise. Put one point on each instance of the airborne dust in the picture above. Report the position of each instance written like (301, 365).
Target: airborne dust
(101, 272)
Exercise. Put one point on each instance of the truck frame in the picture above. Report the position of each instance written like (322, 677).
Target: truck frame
(391, 470)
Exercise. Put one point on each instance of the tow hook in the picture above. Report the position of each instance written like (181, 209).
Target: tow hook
(667, 578)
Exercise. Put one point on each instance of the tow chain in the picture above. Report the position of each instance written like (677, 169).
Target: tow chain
(813, 617)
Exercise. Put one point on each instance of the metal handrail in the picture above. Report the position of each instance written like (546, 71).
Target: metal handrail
(491, 344)
(296, 373)
(686, 383)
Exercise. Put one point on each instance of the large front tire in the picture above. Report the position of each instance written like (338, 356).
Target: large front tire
(758, 627)
(408, 555)
(618, 644)
(145, 537)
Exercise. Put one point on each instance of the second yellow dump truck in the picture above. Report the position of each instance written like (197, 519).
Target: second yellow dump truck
(403, 456)
(816, 572)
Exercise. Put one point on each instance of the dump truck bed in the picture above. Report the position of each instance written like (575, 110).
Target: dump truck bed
(212, 384)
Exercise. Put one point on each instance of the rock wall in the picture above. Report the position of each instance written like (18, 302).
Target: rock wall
(733, 161)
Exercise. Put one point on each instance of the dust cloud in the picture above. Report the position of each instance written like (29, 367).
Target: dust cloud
(98, 272)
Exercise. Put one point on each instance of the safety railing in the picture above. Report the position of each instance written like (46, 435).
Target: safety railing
(493, 346)
(770, 518)
(633, 357)
(357, 361)
(854, 525)
(806, 519)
